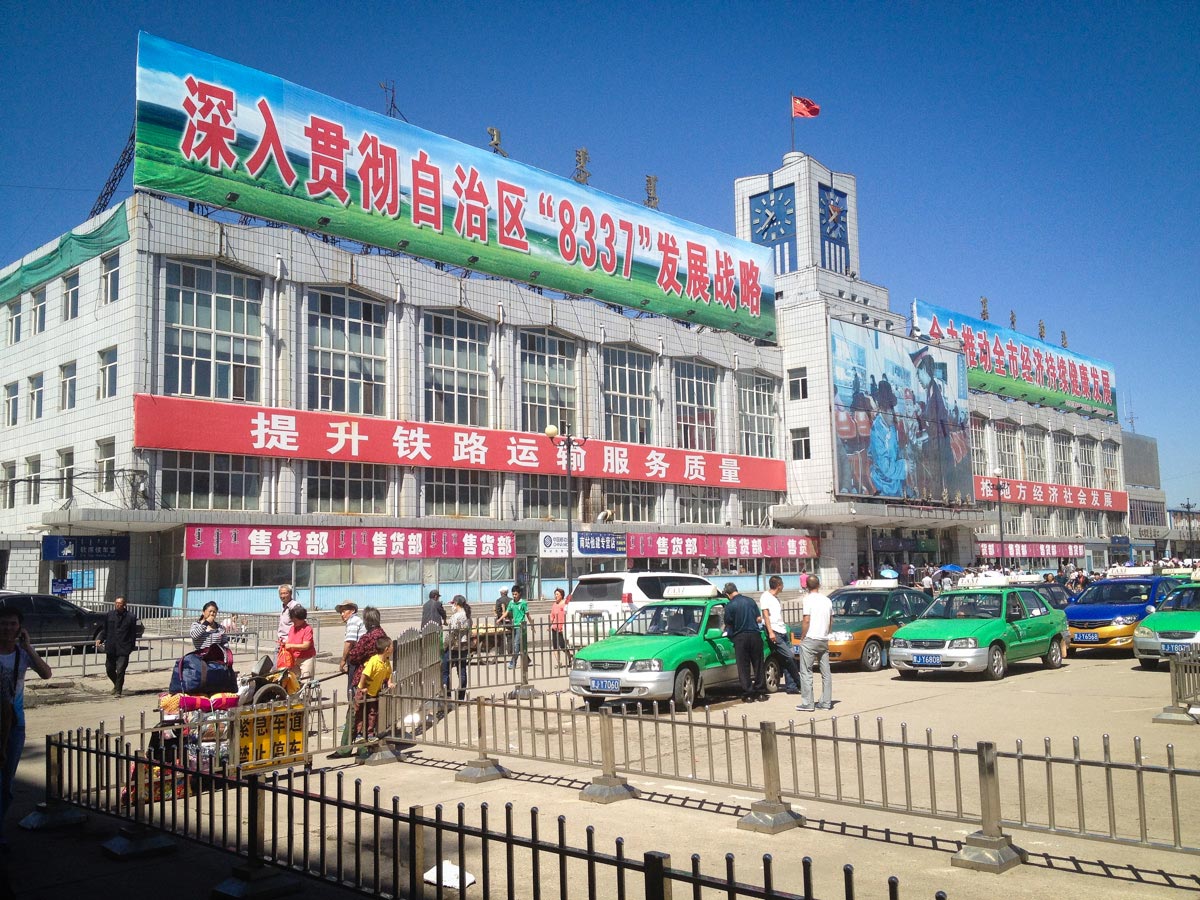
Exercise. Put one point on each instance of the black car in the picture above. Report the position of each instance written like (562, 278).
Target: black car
(1052, 592)
(51, 620)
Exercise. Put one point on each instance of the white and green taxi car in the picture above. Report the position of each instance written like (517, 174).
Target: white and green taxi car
(674, 649)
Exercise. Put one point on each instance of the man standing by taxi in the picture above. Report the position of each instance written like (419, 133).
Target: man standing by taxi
(814, 646)
(777, 632)
(741, 627)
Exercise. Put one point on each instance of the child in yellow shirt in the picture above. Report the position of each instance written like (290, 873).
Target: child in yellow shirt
(376, 674)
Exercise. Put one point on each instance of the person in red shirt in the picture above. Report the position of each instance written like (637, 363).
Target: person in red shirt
(301, 644)
(558, 638)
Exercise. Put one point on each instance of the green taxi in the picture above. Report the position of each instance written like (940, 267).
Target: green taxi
(1173, 627)
(981, 629)
(670, 650)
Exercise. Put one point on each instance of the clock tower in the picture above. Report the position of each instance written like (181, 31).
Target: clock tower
(805, 212)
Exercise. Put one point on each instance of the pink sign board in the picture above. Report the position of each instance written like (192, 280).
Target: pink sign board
(235, 542)
(719, 546)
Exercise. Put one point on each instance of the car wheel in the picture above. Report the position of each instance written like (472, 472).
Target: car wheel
(1148, 664)
(997, 665)
(1053, 658)
(772, 674)
(685, 689)
(872, 656)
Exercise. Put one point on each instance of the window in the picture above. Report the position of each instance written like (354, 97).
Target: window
(1040, 520)
(695, 406)
(1033, 443)
(456, 369)
(110, 278)
(1066, 523)
(1093, 523)
(756, 402)
(209, 480)
(338, 487)
(628, 396)
(14, 321)
(1115, 524)
(66, 386)
(38, 315)
(33, 480)
(347, 352)
(801, 444)
(11, 404)
(1014, 520)
(1008, 455)
(106, 465)
(108, 373)
(70, 297)
(1062, 459)
(979, 454)
(798, 383)
(66, 474)
(756, 507)
(8, 485)
(631, 501)
(458, 492)
(1087, 464)
(213, 333)
(1147, 512)
(37, 385)
(1109, 457)
(544, 496)
(547, 381)
(698, 505)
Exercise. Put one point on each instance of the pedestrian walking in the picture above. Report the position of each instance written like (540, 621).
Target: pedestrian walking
(559, 648)
(814, 646)
(119, 637)
(505, 638)
(516, 614)
(741, 626)
(776, 630)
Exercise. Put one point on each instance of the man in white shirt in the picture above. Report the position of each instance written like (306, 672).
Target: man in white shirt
(814, 646)
(355, 628)
(777, 633)
(288, 600)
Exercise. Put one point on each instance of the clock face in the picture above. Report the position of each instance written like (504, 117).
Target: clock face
(833, 213)
(773, 215)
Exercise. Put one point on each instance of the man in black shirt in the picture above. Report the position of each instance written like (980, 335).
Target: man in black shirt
(119, 637)
(741, 625)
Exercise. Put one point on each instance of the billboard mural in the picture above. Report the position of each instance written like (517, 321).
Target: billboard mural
(901, 417)
(1003, 361)
(236, 138)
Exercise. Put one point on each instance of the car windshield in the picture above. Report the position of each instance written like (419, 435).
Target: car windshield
(964, 606)
(1116, 592)
(1185, 598)
(664, 618)
(858, 603)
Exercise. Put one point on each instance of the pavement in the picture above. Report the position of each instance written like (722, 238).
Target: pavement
(1089, 697)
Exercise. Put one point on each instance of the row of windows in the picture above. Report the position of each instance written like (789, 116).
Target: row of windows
(68, 376)
(224, 481)
(1147, 512)
(1034, 454)
(110, 285)
(66, 477)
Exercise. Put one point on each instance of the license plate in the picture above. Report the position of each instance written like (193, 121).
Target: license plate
(606, 685)
(926, 659)
(1175, 648)
(1085, 637)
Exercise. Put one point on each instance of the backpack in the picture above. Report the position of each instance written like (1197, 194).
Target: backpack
(204, 673)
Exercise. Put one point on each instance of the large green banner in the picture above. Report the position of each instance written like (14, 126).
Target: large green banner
(236, 138)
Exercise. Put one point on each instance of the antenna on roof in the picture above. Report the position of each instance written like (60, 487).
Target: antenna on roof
(392, 111)
(114, 178)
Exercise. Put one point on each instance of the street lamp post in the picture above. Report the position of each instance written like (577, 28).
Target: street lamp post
(1000, 486)
(568, 442)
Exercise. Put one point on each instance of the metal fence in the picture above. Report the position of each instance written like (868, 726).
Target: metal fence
(1185, 688)
(334, 829)
(154, 652)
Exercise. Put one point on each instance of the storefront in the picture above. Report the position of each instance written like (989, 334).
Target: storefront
(746, 560)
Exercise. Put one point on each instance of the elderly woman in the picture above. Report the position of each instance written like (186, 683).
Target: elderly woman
(208, 632)
(299, 646)
(364, 647)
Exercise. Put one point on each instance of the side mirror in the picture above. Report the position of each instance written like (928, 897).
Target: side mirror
(1150, 607)
(712, 634)
(612, 632)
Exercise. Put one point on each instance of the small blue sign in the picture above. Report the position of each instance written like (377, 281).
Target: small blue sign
(91, 547)
(61, 586)
(601, 543)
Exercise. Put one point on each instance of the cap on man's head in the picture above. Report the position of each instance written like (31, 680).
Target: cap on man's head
(730, 589)
(347, 605)
(434, 594)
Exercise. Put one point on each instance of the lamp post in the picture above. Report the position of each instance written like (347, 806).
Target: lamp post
(568, 442)
(1000, 486)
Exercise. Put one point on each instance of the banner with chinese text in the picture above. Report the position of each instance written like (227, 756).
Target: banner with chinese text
(236, 138)
(1036, 493)
(169, 423)
(1029, 550)
(271, 737)
(254, 542)
(720, 546)
(1006, 362)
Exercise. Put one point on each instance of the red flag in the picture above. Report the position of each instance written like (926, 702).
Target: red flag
(803, 108)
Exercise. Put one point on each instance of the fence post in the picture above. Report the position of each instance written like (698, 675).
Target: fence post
(989, 849)
(658, 885)
(1177, 713)
(54, 811)
(770, 815)
(253, 878)
(416, 853)
(483, 768)
(608, 786)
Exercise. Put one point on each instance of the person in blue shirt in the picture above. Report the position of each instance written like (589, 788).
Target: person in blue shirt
(742, 618)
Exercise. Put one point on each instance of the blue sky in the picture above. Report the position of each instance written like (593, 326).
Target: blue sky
(1043, 155)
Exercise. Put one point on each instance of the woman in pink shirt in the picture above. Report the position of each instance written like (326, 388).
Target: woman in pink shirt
(302, 645)
(558, 639)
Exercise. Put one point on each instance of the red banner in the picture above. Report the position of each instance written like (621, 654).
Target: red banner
(236, 542)
(1035, 493)
(718, 546)
(170, 423)
(1029, 550)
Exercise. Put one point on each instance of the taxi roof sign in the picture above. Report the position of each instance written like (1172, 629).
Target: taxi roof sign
(875, 583)
(690, 592)
(1130, 572)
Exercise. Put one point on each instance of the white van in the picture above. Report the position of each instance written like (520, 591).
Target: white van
(602, 601)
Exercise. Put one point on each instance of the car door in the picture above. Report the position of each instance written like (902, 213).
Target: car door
(723, 666)
(58, 621)
(1040, 625)
(1016, 631)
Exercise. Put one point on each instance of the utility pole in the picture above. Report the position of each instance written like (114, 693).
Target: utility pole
(1190, 508)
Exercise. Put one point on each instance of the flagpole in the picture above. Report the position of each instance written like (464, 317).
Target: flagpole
(793, 118)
